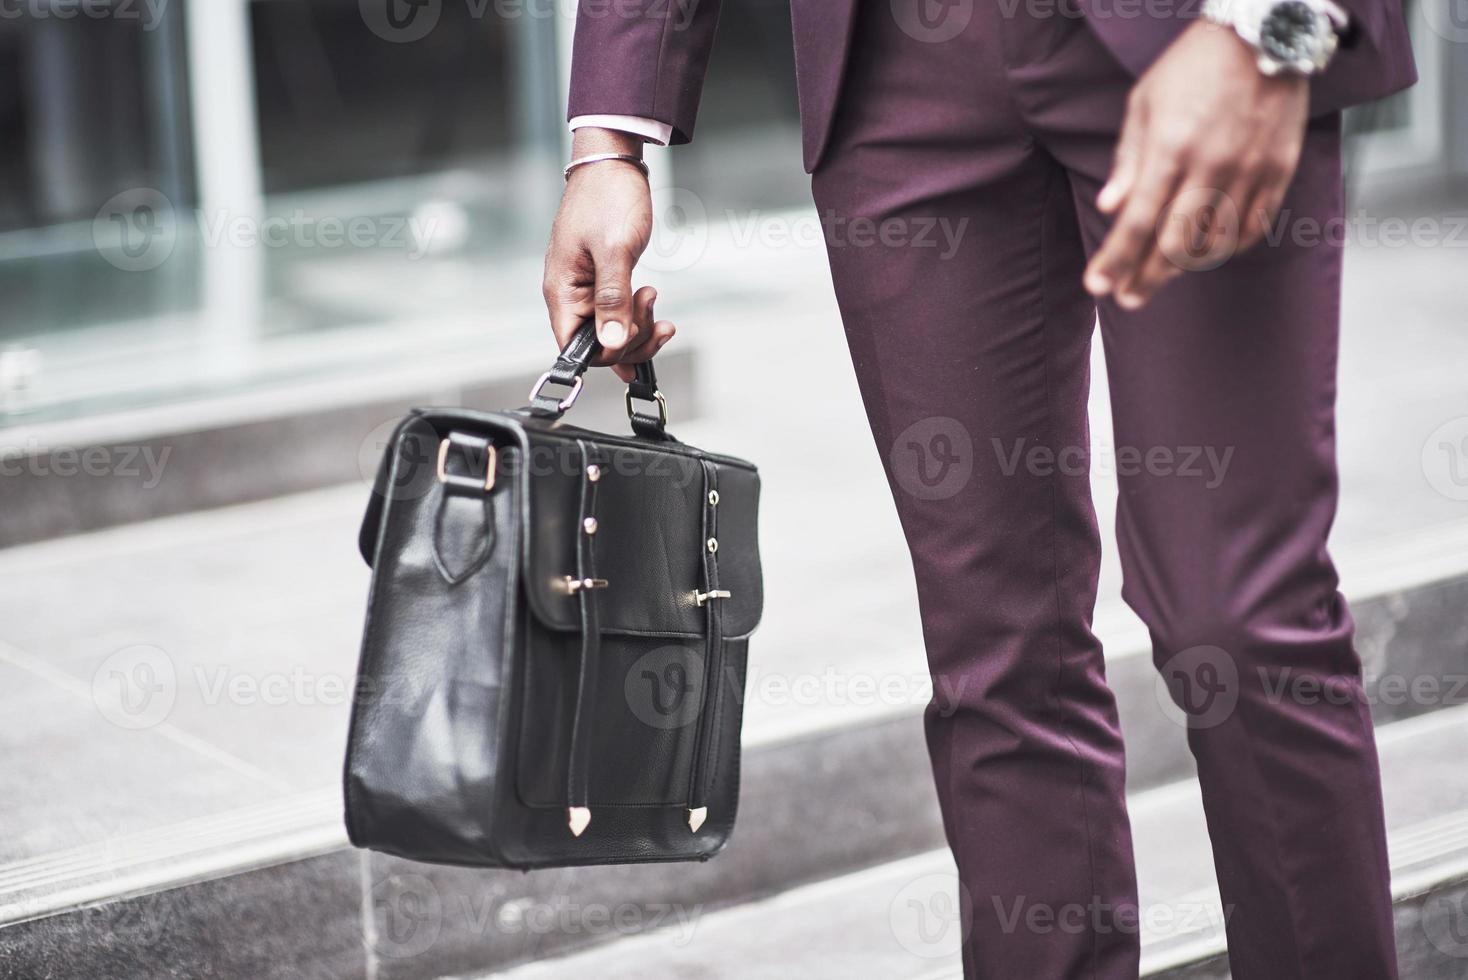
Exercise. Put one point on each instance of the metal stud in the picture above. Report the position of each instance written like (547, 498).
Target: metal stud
(593, 472)
(713, 545)
(589, 525)
(713, 498)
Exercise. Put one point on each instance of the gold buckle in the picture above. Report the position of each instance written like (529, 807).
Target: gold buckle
(564, 403)
(703, 597)
(657, 396)
(443, 464)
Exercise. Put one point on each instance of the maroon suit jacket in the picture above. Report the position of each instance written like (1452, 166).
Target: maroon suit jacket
(647, 57)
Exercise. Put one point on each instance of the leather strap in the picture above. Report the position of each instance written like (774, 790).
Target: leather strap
(578, 765)
(463, 530)
(573, 362)
(705, 757)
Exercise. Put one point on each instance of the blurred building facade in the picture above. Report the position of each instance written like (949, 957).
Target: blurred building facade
(185, 183)
(191, 190)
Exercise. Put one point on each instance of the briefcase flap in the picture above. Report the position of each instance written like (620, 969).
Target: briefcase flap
(652, 503)
(650, 535)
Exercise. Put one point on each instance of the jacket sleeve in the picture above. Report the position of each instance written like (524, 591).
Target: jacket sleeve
(1376, 61)
(642, 58)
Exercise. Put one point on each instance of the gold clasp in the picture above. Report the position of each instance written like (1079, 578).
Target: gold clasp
(657, 396)
(491, 464)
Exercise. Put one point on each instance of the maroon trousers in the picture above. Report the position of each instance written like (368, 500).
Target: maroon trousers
(957, 195)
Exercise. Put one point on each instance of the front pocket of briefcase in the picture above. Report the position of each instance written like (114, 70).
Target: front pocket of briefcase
(644, 719)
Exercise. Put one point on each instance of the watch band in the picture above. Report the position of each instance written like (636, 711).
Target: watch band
(1247, 19)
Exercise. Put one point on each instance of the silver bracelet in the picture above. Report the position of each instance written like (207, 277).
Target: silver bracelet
(636, 161)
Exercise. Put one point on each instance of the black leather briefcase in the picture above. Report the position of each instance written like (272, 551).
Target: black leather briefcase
(552, 668)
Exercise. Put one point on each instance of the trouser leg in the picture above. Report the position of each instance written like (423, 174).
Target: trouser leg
(1223, 400)
(972, 356)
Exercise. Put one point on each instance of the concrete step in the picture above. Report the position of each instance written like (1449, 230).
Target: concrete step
(227, 447)
(896, 920)
(224, 801)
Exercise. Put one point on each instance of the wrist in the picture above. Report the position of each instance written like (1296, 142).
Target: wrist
(1243, 60)
(591, 139)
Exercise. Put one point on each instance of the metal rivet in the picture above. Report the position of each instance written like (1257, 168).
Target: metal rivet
(713, 545)
(589, 525)
(593, 472)
(713, 498)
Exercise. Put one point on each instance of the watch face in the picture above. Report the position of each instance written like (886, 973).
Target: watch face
(1290, 32)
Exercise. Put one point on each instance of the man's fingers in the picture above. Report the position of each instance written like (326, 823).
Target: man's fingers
(651, 332)
(1120, 255)
(1155, 271)
(659, 333)
(641, 331)
(662, 332)
(612, 300)
(1265, 201)
(567, 291)
(1125, 161)
(1198, 230)
(642, 316)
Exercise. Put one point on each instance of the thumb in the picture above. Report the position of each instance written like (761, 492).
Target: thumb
(615, 326)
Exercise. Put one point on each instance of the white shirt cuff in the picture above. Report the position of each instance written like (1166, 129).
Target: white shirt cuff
(649, 129)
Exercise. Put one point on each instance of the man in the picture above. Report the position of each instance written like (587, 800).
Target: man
(1096, 156)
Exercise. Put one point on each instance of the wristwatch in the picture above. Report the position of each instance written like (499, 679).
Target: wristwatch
(1290, 36)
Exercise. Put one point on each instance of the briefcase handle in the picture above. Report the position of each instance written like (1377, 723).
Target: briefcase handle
(566, 372)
